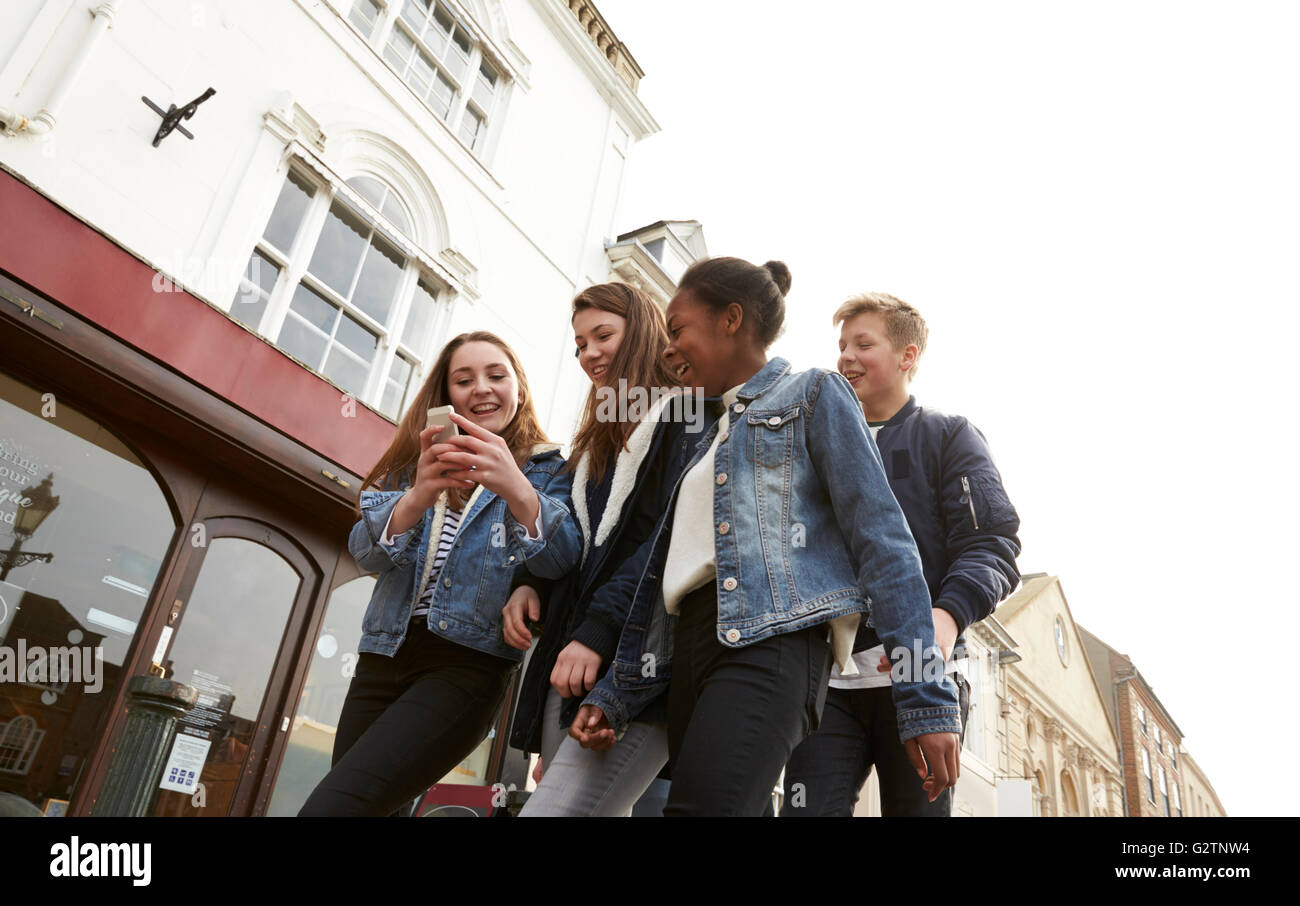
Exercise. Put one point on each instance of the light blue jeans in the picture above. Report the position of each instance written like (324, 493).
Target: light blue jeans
(578, 782)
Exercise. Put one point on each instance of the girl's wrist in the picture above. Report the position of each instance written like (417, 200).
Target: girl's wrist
(524, 504)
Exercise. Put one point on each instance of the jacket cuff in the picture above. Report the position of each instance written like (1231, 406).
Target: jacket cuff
(919, 721)
(375, 514)
(610, 705)
(961, 613)
(598, 635)
(551, 516)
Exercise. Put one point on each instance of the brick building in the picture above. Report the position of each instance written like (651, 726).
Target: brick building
(1156, 772)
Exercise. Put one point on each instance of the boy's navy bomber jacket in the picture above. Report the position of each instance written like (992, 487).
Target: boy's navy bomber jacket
(940, 470)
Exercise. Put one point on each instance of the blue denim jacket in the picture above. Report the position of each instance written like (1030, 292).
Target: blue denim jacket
(805, 530)
(474, 581)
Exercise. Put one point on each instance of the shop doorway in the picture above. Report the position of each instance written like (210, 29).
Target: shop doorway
(233, 616)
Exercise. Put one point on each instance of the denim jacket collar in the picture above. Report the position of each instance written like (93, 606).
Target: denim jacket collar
(761, 382)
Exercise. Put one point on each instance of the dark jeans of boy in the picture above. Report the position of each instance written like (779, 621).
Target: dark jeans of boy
(859, 730)
(736, 714)
(406, 721)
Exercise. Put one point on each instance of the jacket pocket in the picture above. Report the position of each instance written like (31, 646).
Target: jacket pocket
(772, 436)
(985, 501)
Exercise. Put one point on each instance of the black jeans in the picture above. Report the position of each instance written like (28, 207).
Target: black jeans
(859, 729)
(408, 720)
(735, 714)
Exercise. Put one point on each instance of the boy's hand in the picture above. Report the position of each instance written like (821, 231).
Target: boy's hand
(945, 636)
(523, 604)
(945, 631)
(940, 753)
(592, 730)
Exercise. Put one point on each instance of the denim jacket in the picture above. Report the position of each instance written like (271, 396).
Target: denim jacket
(474, 581)
(805, 530)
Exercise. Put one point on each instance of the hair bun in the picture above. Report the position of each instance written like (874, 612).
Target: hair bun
(780, 275)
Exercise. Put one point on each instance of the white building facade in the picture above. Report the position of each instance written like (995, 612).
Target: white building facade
(208, 339)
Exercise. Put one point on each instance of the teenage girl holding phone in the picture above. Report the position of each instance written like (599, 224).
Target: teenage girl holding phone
(617, 464)
(445, 533)
(778, 534)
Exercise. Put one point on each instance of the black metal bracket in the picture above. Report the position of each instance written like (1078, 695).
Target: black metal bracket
(172, 116)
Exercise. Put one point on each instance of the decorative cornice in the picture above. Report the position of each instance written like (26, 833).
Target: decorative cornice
(606, 41)
(611, 83)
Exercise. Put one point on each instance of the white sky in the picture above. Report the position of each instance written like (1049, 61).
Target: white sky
(1097, 208)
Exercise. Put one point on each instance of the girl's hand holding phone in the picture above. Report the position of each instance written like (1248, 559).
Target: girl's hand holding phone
(432, 476)
(478, 455)
(430, 481)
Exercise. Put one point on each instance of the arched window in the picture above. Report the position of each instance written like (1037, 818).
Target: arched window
(19, 740)
(334, 283)
(1069, 798)
(1042, 801)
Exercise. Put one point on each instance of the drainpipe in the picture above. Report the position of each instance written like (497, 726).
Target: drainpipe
(43, 123)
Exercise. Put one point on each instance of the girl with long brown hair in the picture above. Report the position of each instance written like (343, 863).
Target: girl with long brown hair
(445, 530)
(631, 432)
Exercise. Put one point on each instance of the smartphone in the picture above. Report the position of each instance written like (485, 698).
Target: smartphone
(442, 416)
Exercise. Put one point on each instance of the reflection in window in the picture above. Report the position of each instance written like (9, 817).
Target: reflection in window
(311, 740)
(226, 646)
(311, 736)
(19, 740)
(78, 494)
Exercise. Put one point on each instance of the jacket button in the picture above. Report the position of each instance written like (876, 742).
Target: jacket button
(722, 478)
(774, 420)
(729, 583)
(733, 635)
(724, 527)
(442, 624)
(447, 581)
(512, 559)
(738, 408)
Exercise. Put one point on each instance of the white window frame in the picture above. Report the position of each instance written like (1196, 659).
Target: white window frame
(30, 744)
(293, 264)
(974, 742)
(1146, 770)
(463, 86)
